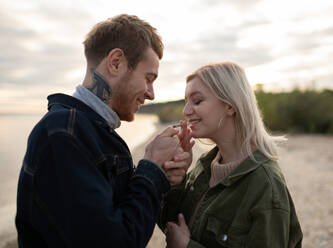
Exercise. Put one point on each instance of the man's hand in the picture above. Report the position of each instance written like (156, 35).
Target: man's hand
(177, 235)
(164, 147)
(177, 168)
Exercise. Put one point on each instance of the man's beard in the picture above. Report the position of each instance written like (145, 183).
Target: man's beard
(121, 99)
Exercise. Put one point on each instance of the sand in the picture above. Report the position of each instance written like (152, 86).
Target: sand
(307, 163)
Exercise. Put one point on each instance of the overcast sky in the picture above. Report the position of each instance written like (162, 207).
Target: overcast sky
(281, 43)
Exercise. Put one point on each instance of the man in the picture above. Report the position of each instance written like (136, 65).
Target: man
(77, 186)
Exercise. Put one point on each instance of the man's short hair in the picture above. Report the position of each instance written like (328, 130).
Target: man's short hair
(127, 32)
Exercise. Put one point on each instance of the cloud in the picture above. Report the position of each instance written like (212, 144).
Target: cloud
(309, 42)
(182, 58)
(238, 4)
(31, 57)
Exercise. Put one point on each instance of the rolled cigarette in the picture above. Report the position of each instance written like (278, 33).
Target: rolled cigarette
(176, 125)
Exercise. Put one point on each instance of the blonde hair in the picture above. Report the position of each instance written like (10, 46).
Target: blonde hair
(229, 83)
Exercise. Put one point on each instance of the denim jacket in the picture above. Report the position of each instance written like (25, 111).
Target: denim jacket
(249, 208)
(78, 186)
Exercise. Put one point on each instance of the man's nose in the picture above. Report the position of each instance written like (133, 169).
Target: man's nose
(149, 94)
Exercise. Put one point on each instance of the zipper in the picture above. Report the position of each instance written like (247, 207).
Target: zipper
(197, 209)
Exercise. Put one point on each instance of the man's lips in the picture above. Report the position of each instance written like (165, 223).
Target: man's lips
(138, 104)
(141, 102)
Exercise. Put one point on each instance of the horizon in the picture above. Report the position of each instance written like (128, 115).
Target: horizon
(302, 89)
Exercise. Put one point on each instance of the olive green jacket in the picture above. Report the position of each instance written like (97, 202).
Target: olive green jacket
(251, 207)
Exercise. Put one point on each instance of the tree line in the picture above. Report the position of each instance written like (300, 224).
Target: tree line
(297, 111)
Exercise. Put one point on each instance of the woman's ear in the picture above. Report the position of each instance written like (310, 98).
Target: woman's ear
(116, 61)
(230, 110)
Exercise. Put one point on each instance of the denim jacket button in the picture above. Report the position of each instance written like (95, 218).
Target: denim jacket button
(192, 188)
(224, 237)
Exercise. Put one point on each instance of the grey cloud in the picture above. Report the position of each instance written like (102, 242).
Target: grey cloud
(211, 47)
(253, 23)
(303, 43)
(13, 34)
(50, 57)
(45, 65)
(66, 15)
(239, 4)
(325, 32)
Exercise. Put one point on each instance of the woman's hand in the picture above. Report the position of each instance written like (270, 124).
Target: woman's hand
(177, 235)
(186, 144)
(185, 136)
(176, 168)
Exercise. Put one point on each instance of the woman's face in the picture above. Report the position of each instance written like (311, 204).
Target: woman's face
(203, 110)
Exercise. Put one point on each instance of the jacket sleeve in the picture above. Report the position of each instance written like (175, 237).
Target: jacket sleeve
(80, 200)
(170, 205)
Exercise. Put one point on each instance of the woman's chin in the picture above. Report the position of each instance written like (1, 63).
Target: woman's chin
(196, 135)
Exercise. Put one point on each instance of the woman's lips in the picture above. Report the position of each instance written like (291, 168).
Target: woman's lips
(194, 122)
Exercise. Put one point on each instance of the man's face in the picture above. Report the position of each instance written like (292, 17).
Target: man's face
(135, 86)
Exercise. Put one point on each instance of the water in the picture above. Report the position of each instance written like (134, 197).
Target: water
(14, 132)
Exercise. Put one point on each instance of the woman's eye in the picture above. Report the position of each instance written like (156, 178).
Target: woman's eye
(197, 102)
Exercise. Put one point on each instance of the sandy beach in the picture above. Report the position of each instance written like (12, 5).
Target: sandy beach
(307, 163)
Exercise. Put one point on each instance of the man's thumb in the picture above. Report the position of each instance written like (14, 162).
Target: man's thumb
(181, 220)
(169, 132)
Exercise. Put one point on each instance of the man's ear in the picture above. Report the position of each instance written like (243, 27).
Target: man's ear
(116, 61)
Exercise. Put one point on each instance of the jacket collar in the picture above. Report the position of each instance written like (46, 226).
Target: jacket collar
(248, 165)
(71, 102)
(100, 107)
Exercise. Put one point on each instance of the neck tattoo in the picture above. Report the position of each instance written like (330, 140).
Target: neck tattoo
(100, 87)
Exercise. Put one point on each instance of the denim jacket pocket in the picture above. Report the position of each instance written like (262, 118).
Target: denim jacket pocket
(118, 169)
(114, 166)
(220, 233)
(121, 164)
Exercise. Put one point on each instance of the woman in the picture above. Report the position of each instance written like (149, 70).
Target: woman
(236, 195)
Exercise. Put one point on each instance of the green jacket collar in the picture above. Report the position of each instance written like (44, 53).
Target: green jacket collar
(243, 169)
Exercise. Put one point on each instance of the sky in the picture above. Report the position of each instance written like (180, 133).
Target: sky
(280, 43)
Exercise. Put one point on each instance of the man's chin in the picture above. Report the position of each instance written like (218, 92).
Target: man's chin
(128, 117)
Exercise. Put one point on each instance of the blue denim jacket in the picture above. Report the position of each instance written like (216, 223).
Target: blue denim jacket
(78, 187)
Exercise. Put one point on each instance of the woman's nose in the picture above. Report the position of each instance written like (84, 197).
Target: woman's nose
(187, 109)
